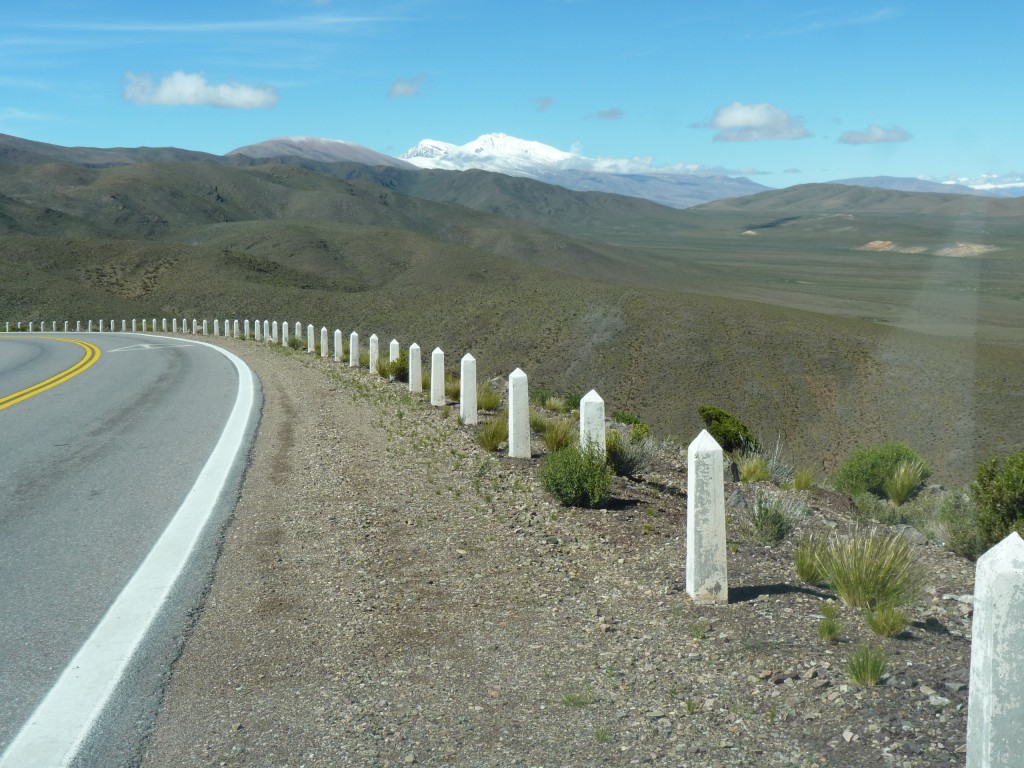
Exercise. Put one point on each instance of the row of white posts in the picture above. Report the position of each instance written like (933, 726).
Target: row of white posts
(995, 726)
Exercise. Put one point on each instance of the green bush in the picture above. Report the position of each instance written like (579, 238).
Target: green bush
(869, 469)
(772, 517)
(958, 525)
(998, 493)
(396, 370)
(576, 477)
(729, 432)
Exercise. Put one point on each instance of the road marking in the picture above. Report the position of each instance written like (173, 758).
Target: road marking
(92, 354)
(137, 347)
(57, 730)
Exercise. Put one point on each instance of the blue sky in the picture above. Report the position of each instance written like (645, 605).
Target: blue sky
(787, 92)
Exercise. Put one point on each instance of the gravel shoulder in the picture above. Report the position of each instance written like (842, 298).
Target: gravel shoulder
(390, 594)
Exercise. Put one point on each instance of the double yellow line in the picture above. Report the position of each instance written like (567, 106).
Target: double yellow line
(92, 354)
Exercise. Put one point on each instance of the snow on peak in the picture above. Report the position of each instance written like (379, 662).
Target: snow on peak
(491, 152)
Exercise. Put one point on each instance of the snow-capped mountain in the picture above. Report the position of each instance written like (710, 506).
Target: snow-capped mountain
(320, 150)
(678, 187)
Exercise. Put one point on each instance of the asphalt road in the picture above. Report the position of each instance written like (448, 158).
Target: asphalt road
(92, 471)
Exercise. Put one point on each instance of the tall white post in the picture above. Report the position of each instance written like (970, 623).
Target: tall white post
(174, 325)
(234, 328)
(394, 351)
(273, 331)
(284, 334)
(133, 325)
(298, 330)
(518, 415)
(216, 326)
(90, 326)
(266, 331)
(195, 326)
(65, 326)
(353, 350)
(995, 706)
(323, 341)
(310, 339)
(338, 341)
(204, 327)
(707, 578)
(124, 325)
(592, 435)
(152, 326)
(415, 369)
(163, 324)
(78, 326)
(374, 351)
(245, 327)
(437, 377)
(30, 326)
(467, 389)
(258, 331)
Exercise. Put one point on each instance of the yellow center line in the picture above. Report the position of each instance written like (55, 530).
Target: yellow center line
(92, 354)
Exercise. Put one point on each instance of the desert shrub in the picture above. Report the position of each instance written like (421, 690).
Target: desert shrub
(772, 517)
(626, 457)
(871, 569)
(869, 469)
(803, 479)
(296, 343)
(487, 397)
(729, 432)
(396, 370)
(958, 525)
(866, 665)
(559, 433)
(905, 481)
(871, 508)
(886, 620)
(998, 493)
(807, 560)
(576, 477)
(492, 433)
(753, 468)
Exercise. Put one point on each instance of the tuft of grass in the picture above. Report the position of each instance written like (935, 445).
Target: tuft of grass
(559, 433)
(808, 558)
(905, 481)
(602, 734)
(830, 610)
(886, 621)
(576, 477)
(829, 629)
(579, 699)
(487, 397)
(869, 469)
(958, 525)
(557, 404)
(772, 517)
(871, 569)
(492, 433)
(753, 468)
(866, 665)
(803, 479)
(452, 387)
(628, 458)
(538, 424)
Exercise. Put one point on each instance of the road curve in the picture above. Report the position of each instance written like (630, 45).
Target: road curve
(115, 485)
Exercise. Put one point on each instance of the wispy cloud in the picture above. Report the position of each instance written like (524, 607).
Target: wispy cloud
(754, 122)
(403, 88)
(317, 23)
(543, 103)
(13, 114)
(185, 89)
(883, 14)
(611, 114)
(875, 135)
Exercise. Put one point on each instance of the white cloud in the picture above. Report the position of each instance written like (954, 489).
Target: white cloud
(403, 88)
(755, 122)
(874, 135)
(182, 88)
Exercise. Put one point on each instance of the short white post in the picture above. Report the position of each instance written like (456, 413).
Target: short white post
(995, 706)
(163, 324)
(374, 351)
(174, 325)
(467, 389)
(65, 326)
(323, 341)
(204, 327)
(337, 345)
(184, 326)
(310, 339)
(152, 326)
(245, 327)
(133, 325)
(298, 330)
(78, 326)
(707, 579)
(415, 370)
(30, 326)
(216, 326)
(234, 328)
(90, 326)
(437, 377)
(258, 334)
(518, 415)
(284, 334)
(124, 325)
(273, 332)
(195, 326)
(394, 351)
(353, 350)
(266, 331)
(592, 435)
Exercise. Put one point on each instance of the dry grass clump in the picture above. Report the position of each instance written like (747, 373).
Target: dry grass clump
(493, 432)
(487, 397)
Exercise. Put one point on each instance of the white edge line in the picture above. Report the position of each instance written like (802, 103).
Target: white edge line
(54, 733)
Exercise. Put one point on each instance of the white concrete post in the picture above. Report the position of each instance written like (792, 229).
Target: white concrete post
(234, 328)
(437, 377)
(78, 326)
(284, 334)
(152, 326)
(706, 570)
(133, 325)
(258, 334)
(467, 389)
(273, 332)
(592, 434)
(518, 415)
(184, 326)
(323, 341)
(995, 706)
(245, 327)
(204, 327)
(65, 326)
(266, 331)
(174, 325)
(124, 325)
(90, 326)
(374, 352)
(30, 326)
(216, 326)
(163, 324)
(353, 350)
(337, 345)
(298, 330)
(415, 370)
(310, 339)
(394, 351)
